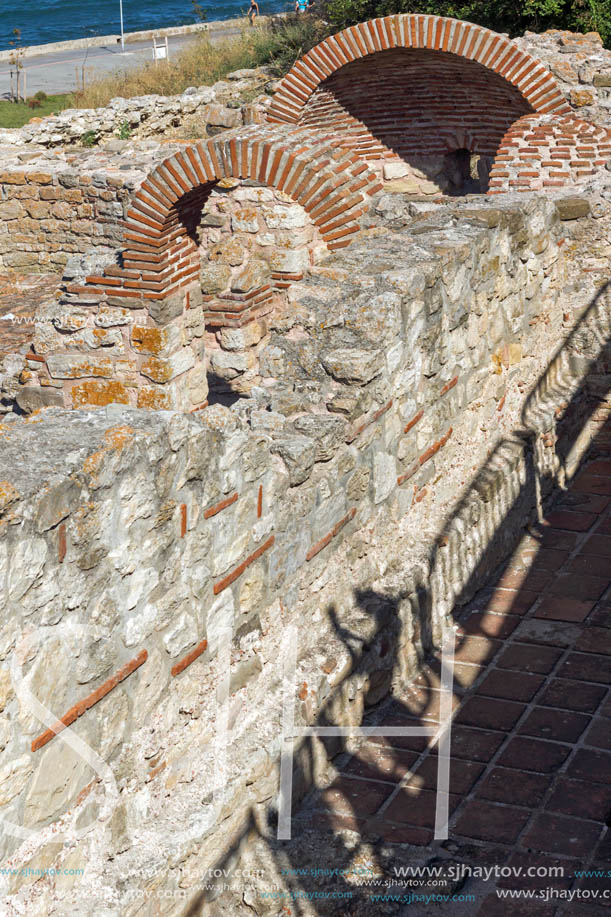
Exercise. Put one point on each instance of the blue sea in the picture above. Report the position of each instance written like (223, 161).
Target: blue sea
(42, 21)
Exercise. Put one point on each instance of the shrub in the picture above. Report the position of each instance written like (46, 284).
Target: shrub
(88, 139)
(287, 39)
(511, 16)
(125, 131)
(41, 96)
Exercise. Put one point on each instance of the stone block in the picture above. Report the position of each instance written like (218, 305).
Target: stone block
(353, 365)
(99, 394)
(164, 370)
(162, 311)
(215, 277)
(241, 338)
(572, 208)
(245, 220)
(292, 216)
(78, 366)
(289, 262)
(254, 274)
(32, 399)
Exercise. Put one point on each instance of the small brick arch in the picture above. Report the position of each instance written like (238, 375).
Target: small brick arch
(160, 256)
(433, 33)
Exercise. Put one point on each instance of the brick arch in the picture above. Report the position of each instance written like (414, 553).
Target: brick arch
(544, 151)
(148, 312)
(160, 256)
(433, 33)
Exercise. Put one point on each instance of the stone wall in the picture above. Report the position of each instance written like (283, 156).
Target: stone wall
(440, 343)
(155, 283)
(205, 110)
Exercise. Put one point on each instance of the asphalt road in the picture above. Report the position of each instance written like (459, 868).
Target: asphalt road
(59, 72)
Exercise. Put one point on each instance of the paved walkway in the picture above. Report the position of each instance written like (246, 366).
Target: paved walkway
(61, 71)
(530, 779)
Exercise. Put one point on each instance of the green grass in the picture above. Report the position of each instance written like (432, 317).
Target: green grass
(16, 115)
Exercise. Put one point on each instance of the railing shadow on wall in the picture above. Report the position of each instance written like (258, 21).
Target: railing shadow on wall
(559, 402)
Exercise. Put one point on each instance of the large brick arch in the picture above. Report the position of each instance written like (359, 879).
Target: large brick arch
(438, 34)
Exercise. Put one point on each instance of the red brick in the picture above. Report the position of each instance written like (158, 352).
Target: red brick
(490, 625)
(524, 658)
(476, 649)
(222, 504)
(511, 601)
(231, 577)
(581, 798)
(400, 834)
(525, 861)
(587, 667)
(473, 744)
(572, 695)
(189, 658)
(510, 685)
(463, 775)
(599, 545)
(488, 822)
(552, 833)
(493, 906)
(560, 608)
(61, 542)
(560, 725)
(416, 807)
(599, 734)
(352, 796)
(82, 706)
(378, 763)
(509, 786)
(490, 713)
(578, 586)
(595, 640)
(573, 522)
(533, 755)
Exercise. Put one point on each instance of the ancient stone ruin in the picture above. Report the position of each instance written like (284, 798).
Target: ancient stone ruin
(319, 368)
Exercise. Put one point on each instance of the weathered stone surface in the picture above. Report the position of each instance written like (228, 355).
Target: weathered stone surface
(76, 366)
(572, 208)
(215, 277)
(353, 365)
(32, 399)
(327, 431)
(298, 454)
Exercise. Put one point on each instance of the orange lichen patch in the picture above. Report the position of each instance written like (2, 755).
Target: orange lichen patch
(154, 399)
(157, 370)
(99, 394)
(148, 340)
(116, 438)
(8, 495)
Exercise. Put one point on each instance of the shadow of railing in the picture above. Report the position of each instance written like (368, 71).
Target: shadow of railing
(523, 473)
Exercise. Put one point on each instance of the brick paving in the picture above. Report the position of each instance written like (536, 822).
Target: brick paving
(530, 772)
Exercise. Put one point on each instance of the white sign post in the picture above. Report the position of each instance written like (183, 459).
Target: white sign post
(121, 16)
(161, 51)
